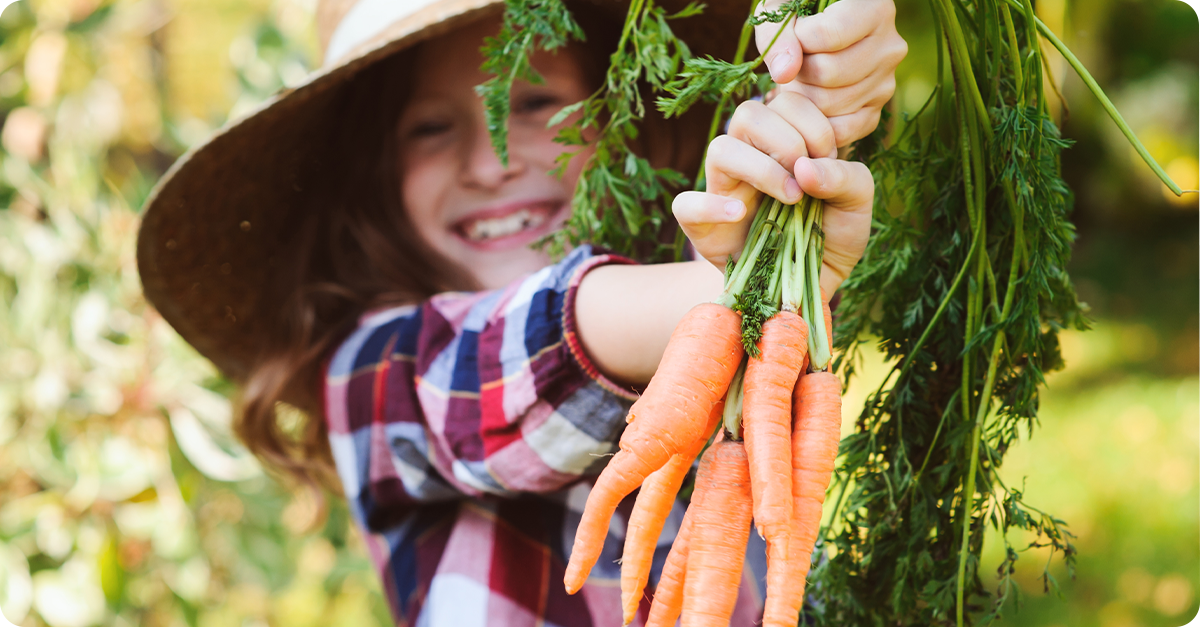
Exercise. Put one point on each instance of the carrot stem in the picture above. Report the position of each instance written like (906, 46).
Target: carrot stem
(1014, 53)
(788, 267)
(801, 236)
(960, 60)
(760, 216)
(732, 418)
(818, 338)
(984, 405)
(745, 265)
(774, 289)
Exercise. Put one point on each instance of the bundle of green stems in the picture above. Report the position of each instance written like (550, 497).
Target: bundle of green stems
(779, 269)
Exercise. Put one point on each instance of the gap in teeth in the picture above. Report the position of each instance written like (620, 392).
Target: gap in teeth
(516, 222)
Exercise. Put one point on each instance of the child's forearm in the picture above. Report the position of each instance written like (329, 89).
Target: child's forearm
(625, 314)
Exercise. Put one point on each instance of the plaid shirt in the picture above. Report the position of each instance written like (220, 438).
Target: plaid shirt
(467, 432)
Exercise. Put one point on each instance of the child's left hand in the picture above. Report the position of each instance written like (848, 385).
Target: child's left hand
(843, 59)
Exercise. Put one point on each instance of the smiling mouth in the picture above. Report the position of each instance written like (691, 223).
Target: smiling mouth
(525, 221)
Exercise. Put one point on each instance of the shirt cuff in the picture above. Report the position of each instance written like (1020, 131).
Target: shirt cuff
(570, 326)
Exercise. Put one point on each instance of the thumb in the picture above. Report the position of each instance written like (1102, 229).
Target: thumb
(845, 185)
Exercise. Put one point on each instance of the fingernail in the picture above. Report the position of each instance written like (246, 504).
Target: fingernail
(733, 209)
(780, 62)
(791, 188)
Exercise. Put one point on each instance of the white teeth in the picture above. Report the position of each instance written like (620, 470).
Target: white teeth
(516, 222)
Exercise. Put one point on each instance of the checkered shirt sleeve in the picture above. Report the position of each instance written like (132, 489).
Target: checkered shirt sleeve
(472, 394)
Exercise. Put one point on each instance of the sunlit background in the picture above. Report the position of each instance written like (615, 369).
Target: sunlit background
(124, 500)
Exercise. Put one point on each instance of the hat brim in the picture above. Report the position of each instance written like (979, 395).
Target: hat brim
(211, 227)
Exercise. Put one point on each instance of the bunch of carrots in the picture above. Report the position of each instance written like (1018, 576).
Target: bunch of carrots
(744, 380)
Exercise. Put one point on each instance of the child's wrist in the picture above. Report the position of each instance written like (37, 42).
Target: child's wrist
(625, 314)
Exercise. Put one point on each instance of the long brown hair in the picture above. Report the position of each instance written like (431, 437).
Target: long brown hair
(353, 248)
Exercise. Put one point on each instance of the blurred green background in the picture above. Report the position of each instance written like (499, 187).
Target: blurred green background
(125, 501)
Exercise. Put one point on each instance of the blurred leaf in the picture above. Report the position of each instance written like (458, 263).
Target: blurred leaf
(94, 20)
(112, 576)
(104, 518)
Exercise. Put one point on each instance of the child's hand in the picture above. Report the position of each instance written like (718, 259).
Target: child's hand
(781, 149)
(844, 59)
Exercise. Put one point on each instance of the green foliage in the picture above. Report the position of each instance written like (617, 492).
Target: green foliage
(977, 257)
(710, 79)
(788, 9)
(1094, 461)
(753, 299)
(528, 25)
(621, 200)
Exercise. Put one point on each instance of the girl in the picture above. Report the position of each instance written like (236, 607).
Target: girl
(357, 250)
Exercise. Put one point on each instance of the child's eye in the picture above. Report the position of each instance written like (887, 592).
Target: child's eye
(535, 103)
(428, 129)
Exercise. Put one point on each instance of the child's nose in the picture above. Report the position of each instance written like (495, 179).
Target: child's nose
(483, 167)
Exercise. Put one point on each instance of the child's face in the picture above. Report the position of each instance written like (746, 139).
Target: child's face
(462, 201)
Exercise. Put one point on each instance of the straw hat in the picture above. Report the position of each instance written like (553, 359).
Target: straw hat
(211, 226)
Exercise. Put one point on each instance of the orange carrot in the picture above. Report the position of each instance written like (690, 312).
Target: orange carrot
(650, 511)
(767, 424)
(668, 595)
(701, 359)
(718, 536)
(818, 409)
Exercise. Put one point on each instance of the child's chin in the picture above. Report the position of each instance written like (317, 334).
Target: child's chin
(498, 269)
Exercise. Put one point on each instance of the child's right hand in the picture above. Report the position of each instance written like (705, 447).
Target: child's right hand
(785, 149)
(625, 315)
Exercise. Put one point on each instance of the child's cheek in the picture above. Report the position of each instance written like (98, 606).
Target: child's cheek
(422, 184)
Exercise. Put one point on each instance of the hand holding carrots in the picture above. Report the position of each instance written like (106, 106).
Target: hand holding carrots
(737, 362)
(783, 149)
